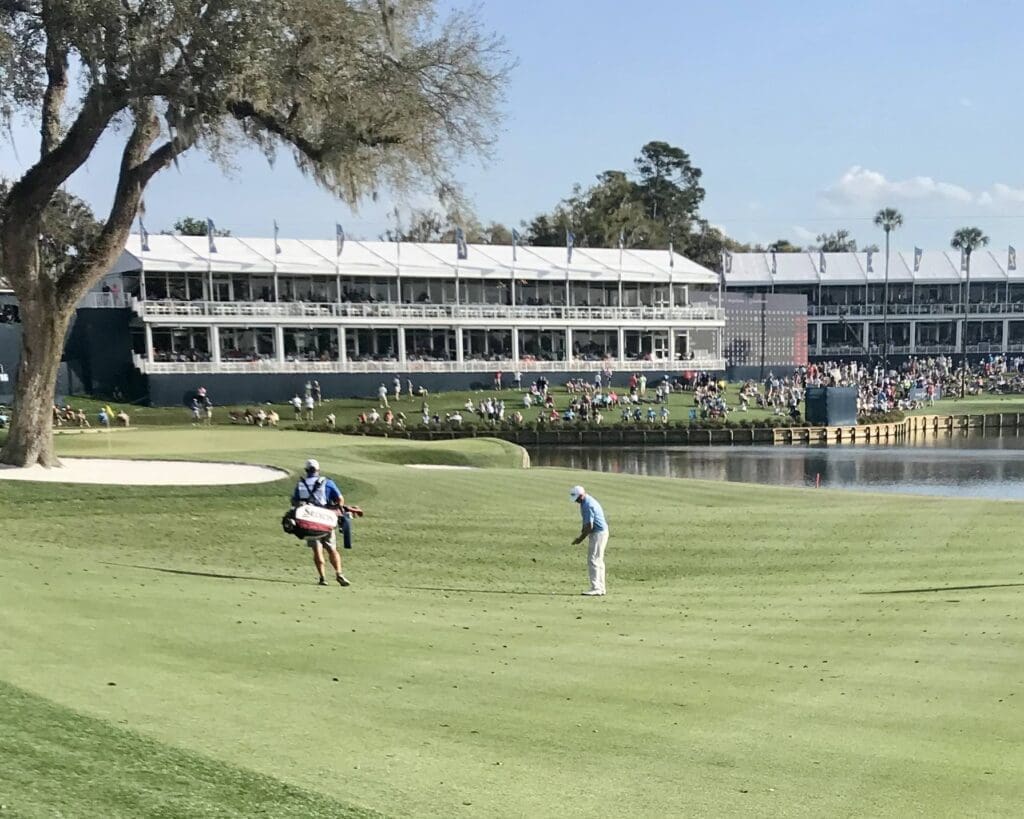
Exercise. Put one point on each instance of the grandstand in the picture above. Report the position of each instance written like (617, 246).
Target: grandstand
(926, 313)
(389, 307)
(251, 317)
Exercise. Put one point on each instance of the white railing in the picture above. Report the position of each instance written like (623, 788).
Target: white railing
(422, 312)
(945, 310)
(701, 361)
(107, 300)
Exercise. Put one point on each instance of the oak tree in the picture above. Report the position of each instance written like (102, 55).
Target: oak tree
(363, 94)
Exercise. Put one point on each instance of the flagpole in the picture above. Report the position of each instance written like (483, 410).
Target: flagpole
(513, 294)
(209, 255)
(337, 269)
(458, 262)
(671, 276)
(277, 296)
(142, 259)
(568, 263)
(622, 241)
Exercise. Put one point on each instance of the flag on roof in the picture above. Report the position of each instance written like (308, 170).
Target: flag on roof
(1011, 258)
(570, 241)
(277, 247)
(917, 258)
(963, 261)
(515, 243)
(726, 261)
(143, 236)
(461, 248)
(671, 256)
(775, 267)
(821, 262)
(339, 239)
(870, 268)
(209, 235)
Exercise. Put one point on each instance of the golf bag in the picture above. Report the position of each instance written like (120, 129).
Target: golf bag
(309, 522)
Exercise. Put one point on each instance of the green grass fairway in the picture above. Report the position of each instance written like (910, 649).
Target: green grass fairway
(762, 652)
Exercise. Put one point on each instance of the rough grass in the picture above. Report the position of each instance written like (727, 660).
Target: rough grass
(761, 651)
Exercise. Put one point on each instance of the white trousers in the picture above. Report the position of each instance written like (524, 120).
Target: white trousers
(595, 560)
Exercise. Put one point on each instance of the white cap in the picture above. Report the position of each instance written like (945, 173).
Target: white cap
(313, 464)
(577, 492)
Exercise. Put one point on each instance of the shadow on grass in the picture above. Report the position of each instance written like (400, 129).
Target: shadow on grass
(215, 575)
(947, 588)
(485, 591)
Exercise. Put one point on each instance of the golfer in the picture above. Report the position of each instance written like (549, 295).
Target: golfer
(595, 527)
(321, 491)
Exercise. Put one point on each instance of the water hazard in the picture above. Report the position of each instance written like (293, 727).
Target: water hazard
(958, 464)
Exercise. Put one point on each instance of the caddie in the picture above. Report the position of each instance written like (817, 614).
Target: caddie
(321, 491)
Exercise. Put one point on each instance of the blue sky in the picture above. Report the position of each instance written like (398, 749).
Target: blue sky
(804, 118)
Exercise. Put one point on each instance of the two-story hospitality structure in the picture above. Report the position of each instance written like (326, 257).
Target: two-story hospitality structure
(929, 309)
(251, 317)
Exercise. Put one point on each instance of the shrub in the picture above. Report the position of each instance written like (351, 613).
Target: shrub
(891, 417)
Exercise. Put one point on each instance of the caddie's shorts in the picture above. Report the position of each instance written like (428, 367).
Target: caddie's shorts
(327, 541)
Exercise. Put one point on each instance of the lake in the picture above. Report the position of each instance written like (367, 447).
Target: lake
(958, 464)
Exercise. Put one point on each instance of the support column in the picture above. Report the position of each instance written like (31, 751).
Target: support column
(515, 346)
(1006, 336)
(459, 352)
(671, 346)
(818, 340)
(867, 337)
(913, 338)
(622, 343)
(342, 349)
(279, 343)
(149, 343)
(401, 346)
(959, 336)
(215, 343)
(568, 343)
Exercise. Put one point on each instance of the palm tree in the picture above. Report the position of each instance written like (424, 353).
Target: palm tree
(888, 219)
(966, 240)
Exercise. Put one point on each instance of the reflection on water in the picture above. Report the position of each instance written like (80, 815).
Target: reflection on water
(958, 464)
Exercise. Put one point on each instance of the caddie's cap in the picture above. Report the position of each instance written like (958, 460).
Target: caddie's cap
(313, 464)
(576, 493)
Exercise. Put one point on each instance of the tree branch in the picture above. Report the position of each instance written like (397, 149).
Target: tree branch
(136, 171)
(56, 59)
(245, 110)
(29, 196)
(15, 7)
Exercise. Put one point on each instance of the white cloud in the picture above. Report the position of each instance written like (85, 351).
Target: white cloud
(803, 234)
(966, 102)
(859, 187)
(1000, 194)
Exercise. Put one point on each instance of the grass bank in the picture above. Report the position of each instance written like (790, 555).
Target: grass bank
(761, 651)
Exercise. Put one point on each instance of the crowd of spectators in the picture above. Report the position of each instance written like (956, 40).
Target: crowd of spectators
(106, 417)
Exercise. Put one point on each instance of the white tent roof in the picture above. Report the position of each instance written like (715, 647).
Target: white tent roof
(436, 260)
(936, 267)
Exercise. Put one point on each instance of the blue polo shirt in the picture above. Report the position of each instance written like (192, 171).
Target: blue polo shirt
(318, 491)
(593, 514)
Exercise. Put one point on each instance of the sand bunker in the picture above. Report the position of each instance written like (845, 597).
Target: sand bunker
(144, 473)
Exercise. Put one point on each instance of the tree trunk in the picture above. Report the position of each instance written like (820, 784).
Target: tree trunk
(30, 439)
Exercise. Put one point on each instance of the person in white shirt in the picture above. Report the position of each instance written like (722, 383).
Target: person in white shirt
(296, 403)
(595, 532)
(382, 394)
(310, 404)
